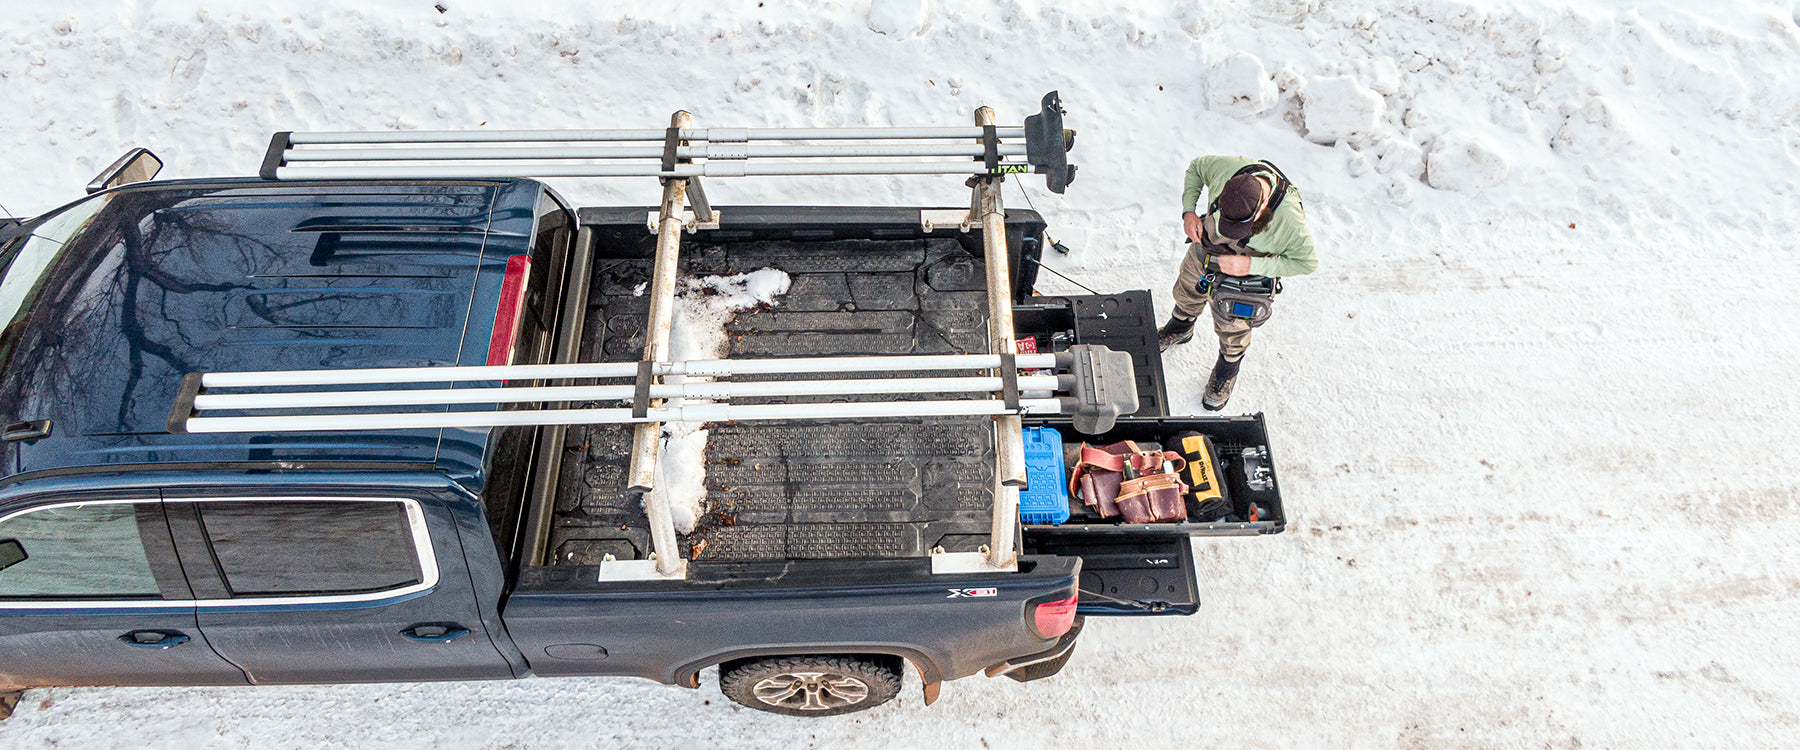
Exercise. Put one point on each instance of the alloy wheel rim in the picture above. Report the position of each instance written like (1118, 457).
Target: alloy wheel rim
(811, 691)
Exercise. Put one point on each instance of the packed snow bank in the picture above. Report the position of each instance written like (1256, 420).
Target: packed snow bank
(703, 307)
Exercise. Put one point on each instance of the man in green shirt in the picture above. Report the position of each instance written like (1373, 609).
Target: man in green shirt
(1252, 233)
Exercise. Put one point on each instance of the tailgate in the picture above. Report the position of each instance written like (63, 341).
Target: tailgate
(1127, 573)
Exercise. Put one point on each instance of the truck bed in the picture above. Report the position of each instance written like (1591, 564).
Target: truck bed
(790, 489)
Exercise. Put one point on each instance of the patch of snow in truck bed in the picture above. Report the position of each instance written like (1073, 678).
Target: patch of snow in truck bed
(1534, 414)
(703, 307)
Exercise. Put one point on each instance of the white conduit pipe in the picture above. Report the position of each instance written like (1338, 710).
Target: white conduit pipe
(719, 151)
(682, 413)
(698, 367)
(717, 390)
(716, 168)
(689, 134)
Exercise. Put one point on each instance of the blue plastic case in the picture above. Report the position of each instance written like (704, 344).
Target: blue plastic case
(1045, 499)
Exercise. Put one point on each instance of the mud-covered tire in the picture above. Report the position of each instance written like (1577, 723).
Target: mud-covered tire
(810, 685)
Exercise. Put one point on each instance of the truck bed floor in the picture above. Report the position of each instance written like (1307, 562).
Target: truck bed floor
(790, 489)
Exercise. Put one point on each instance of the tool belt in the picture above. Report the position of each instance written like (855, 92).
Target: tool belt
(1243, 298)
(1123, 479)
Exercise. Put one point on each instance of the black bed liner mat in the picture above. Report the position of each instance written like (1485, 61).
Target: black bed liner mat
(800, 490)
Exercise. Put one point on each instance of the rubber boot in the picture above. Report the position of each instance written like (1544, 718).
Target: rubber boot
(1177, 331)
(1218, 387)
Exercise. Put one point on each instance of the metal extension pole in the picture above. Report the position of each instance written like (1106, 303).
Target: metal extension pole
(714, 168)
(587, 370)
(713, 390)
(715, 151)
(688, 412)
(688, 134)
(646, 442)
(1009, 437)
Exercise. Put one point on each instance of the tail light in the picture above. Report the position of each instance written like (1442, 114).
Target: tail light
(1052, 619)
(509, 316)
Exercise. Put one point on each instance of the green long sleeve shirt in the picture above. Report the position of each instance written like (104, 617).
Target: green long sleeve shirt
(1286, 240)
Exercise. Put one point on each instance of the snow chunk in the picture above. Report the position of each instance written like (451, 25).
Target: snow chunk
(1460, 161)
(899, 17)
(1240, 85)
(702, 308)
(1384, 76)
(1400, 157)
(1589, 130)
(1337, 108)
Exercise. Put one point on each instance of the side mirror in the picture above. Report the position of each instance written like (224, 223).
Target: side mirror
(11, 553)
(137, 165)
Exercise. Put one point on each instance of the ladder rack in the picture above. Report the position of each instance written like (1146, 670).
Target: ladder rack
(1098, 383)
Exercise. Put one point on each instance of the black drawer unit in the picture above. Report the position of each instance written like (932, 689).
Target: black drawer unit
(1245, 462)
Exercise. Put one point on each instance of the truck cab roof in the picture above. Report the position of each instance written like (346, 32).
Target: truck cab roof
(109, 301)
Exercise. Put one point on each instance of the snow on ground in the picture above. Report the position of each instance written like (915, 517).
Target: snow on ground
(1534, 415)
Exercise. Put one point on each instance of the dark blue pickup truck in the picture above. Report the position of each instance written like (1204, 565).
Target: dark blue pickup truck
(131, 554)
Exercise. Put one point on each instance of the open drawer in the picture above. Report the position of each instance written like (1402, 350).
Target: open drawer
(1245, 463)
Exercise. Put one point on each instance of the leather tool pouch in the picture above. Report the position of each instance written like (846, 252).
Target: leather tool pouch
(1154, 496)
(1247, 298)
(1097, 475)
(1152, 499)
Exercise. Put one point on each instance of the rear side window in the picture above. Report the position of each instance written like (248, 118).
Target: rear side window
(77, 551)
(293, 548)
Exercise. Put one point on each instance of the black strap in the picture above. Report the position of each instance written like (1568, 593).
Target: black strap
(1281, 183)
(990, 147)
(1009, 381)
(640, 399)
(671, 142)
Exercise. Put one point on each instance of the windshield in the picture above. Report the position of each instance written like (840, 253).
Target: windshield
(27, 260)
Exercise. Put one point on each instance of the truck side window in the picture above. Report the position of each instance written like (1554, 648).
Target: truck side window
(311, 547)
(77, 551)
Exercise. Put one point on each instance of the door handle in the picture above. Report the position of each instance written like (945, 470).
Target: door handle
(157, 639)
(435, 632)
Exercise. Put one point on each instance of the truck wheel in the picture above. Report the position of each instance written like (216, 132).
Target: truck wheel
(809, 685)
